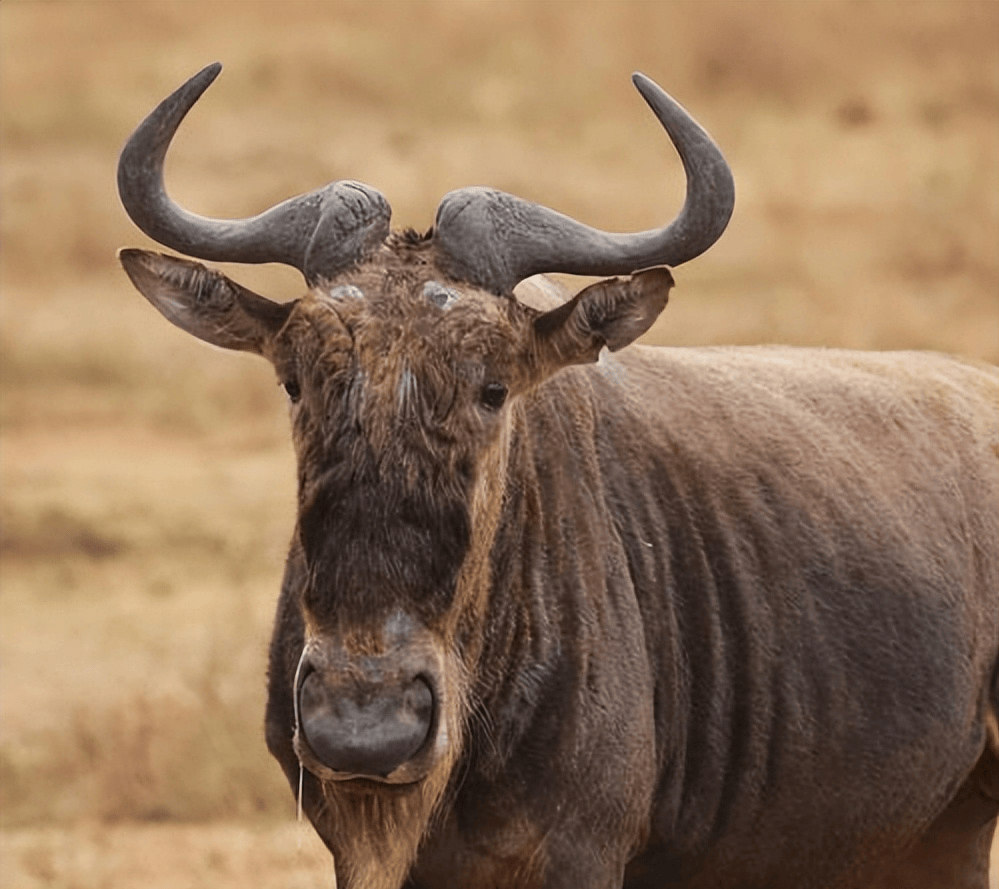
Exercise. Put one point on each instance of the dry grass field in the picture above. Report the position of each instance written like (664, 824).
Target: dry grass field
(147, 481)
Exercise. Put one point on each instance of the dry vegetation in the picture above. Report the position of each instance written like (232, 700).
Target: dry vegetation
(147, 482)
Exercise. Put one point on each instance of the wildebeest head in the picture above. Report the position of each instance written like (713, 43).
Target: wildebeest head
(403, 364)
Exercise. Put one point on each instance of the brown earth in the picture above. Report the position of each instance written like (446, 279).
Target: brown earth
(147, 484)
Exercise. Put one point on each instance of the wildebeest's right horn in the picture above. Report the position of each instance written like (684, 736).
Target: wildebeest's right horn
(318, 233)
(495, 240)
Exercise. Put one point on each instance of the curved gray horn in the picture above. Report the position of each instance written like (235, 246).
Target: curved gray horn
(318, 233)
(494, 239)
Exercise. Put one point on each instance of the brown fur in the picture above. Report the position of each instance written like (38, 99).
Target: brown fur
(708, 618)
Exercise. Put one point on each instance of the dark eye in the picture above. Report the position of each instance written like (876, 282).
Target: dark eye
(293, 389)
(493, 395)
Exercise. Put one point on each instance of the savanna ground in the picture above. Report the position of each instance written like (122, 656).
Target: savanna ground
(147, 482)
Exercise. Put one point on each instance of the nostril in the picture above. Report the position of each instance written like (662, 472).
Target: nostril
(363, 729)
(418, 701)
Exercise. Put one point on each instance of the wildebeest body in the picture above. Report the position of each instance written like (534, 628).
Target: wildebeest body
(733, 591)
(820, 614)
(561, 613)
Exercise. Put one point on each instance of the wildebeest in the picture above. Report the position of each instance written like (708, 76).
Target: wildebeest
(561, 613)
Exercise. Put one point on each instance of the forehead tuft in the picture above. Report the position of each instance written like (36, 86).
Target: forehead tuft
(399, 331)
(401, 306)
(403, 282)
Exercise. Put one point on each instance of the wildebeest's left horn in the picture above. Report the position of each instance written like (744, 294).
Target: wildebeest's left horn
(495, 240)
(318, 233)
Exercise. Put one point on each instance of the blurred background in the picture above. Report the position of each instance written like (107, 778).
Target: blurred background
(147, 480)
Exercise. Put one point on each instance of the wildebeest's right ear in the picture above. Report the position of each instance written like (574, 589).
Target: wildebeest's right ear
(611, 313)
(205, 302)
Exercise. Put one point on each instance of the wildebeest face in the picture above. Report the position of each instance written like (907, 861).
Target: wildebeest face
(402, 382)
(399, 385)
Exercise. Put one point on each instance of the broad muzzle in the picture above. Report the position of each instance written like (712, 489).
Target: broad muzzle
(365, 727)
(371, 708)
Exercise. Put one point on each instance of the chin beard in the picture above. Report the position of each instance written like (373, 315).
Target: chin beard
(374, 830)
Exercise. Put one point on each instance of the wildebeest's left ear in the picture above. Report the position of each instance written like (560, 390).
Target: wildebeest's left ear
(610, 313)
(205, 302)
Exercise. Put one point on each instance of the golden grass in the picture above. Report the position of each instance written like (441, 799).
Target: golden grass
(147, 485)
(223, 855)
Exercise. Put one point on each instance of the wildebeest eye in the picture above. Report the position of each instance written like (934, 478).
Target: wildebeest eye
(293, 389)
(493, 395)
